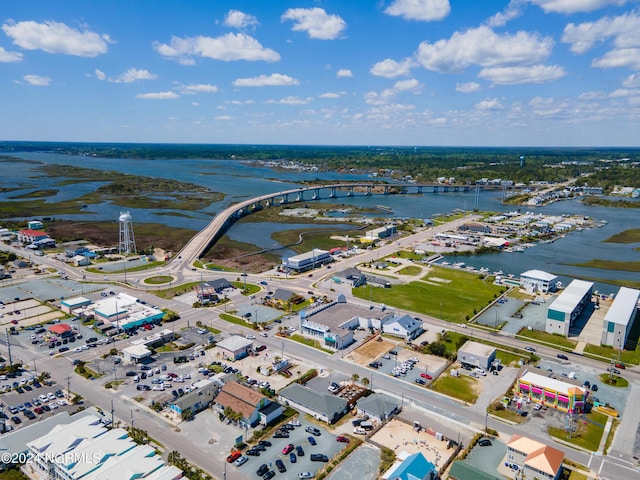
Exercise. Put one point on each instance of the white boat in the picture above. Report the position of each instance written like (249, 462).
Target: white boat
(444, 263)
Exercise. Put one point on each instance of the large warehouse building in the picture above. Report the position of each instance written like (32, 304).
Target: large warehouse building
(538, 281)
(565, 309)
(306, 261)
(619, 320)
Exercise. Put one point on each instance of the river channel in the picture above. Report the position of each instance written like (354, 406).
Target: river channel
(240, 180)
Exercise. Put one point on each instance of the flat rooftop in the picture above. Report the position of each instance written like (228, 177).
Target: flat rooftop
(339, 313)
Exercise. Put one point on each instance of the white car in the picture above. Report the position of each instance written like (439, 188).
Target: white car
(264, 334)
(51, 396)
(62, 402)
(53, 405)
(241, 461)
(250, 337)
(305, 475)
(43, 398)
(158, 388)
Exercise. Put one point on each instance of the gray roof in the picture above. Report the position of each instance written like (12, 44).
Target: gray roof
(219, 283)
(202, 395)
(323, 403)
(349, 273)
(283, 294)
(378, 405)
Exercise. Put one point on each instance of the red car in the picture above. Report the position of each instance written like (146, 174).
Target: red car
(342, 439)
(427, 376)
(286, 450)
(233, 456)
(620, 365)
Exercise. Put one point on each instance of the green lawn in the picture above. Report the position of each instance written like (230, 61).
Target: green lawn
(613, 380)
(631, 357)
(548, 339)
(233, 319)
(588, 434)
(158, 279)
(252, 289)
(509, 359)
(462, 387)
(410, 270)
(310, 342)
(457, 294)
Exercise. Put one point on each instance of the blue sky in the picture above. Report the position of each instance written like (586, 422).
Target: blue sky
(387, 72)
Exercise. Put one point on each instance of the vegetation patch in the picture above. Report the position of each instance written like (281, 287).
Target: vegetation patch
(158, 279)
(628, 236)
(606, 353)
(585, 433)
(410, 270)
(456, 300)
(548, 339)
(310, 342)
(463, 387)
(613, 380)
(609, 265)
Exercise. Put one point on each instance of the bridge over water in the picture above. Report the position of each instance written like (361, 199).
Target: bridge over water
(208, 236)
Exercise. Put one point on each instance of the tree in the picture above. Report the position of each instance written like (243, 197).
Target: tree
(365, 382)
(173, 457)
(355, 377)
(44, 376)
(187, 415)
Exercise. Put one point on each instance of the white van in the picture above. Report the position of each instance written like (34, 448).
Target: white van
(480, 371)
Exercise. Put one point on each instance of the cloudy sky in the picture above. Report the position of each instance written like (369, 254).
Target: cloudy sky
(335, 72)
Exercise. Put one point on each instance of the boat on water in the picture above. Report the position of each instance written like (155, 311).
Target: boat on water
(459, 265)
(445, 263)
(484, 270)
(518, 249)
(384, 208)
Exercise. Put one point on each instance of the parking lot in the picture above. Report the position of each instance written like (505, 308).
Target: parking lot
(325, 444)
(32, 401)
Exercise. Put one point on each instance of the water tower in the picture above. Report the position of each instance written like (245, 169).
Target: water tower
(127, 244)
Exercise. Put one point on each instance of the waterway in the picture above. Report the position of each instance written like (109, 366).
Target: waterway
(240, 180)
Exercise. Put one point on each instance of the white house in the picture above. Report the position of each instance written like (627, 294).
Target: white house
(404, 326)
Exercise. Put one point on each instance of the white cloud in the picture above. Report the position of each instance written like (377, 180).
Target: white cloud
(132, 75)
(158, 96)
(573, 6)
(344, 73)
(389, 68)
(291, 100)
(331, 95)
(482, 46)
(625, 92)
(492, 104)
(421, 10)
(238, 19)
(383, 98)
(100, 75)
(37, 80)
(619, 57)
(522, 75)
(229, 47)
(632, 81)
(55, 37)
(9, 57)
(624, 29)
(194, 88)
(468, 87)
(316, 22)
(223, 117)
(511, 11)
(273, 80)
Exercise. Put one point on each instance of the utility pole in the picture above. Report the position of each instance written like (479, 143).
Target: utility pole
(35, 370)
(112, 424)
(9, 350)
(68, 387)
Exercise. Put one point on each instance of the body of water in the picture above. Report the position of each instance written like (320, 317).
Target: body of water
(240, 180)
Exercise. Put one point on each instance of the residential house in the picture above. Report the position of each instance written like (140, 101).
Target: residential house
(254, 407)
(534, 459)
(321, 406)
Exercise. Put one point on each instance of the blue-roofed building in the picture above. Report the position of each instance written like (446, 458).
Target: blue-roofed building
(412, 467)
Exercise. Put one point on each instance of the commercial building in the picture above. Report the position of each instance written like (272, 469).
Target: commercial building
(534, 281)
(306, 261)
(30, 236)
(534, 459)
(551, 392)
(86, 449)
(381, 232)
(332, 323)
(352, 277)
(404, 326)
(123, 312)
(322, 406)
(209, 291)
(567, 307)
(620, 318)
(477, 355)
(235, 347)
(254, 407)
(198, 399)
(378, 406)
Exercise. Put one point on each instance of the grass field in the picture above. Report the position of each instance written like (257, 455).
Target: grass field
(588, 434)
(463, 388)
(454, 294)
(631, 357)
(410, 270)
(548, 339)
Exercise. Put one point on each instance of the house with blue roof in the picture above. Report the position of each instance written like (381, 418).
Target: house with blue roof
(413, 467)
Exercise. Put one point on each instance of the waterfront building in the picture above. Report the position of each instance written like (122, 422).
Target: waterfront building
(534, 281)
(306, 261)
(620, 318)
(551, 392)
(534, 459)
(567, 307)
(31, 236)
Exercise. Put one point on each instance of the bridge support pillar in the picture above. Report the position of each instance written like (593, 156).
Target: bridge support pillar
(316, 194)
(420, 189)
(270, 201)
(350, 192)
(332, 193)
(368, 193)
(386, 190)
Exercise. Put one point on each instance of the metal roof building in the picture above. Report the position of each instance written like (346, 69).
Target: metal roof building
(620, 318)
(538, 281)
(566, 308)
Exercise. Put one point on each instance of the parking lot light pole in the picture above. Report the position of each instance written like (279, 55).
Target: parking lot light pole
(486, 418)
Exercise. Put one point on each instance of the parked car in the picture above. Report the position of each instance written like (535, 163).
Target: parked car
(318, 457)
(293, 458)
(313, 431)
(342, 439)
(427, 376)
(241, 461)
(594, 388)
(280, 466)
(305, 475)
(420, 381)
(300, 451)
(262, 469)
(264, 443)
(312, 441)
(287, 449)
(269, 475)
(281, 434)
(233, 456)
(484, 442)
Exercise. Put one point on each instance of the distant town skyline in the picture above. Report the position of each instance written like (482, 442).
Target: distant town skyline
(393, 72)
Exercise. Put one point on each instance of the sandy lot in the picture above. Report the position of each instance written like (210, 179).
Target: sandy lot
(370, 351)
(400, 436)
